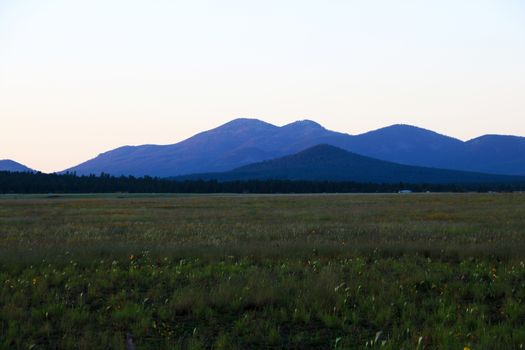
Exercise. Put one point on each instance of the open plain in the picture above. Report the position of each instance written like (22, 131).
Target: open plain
(417, 271)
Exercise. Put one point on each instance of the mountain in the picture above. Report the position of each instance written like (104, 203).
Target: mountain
(405, 144)
(244, 141)
(239, 142)
(11, 165)
(329, 163)
(490, 152)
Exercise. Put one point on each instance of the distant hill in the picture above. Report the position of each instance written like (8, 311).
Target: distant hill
(329, 163)
(245, 141)
(496, 154)
(11, 165)
(239, 142)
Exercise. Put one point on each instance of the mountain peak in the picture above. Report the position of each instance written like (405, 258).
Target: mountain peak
(406, 131)
(323, 148)
(305, 123)
(404, 128)
(245, 123)
(11, 165)
(496, 137)
(8, 161)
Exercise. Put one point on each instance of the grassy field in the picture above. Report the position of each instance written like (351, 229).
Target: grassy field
(429, 271)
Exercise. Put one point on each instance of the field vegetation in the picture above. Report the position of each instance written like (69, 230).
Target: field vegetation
(419, 271)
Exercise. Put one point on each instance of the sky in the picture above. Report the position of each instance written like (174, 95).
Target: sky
(81, 77)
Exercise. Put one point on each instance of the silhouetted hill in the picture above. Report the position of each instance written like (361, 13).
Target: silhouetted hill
(11, 165)
(245, 141)
(239, 142)
(329, 163)
(490, 152)
(407, 144)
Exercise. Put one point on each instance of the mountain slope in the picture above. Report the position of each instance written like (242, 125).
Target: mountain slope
(244, 141)
(407, 144)
(489, 152)
(329, 163)
(239, 142)
(11, 165)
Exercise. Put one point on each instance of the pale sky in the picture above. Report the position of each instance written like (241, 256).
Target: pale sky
(80, 77)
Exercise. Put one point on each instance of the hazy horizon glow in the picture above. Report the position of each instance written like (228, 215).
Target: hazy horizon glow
(78, 78)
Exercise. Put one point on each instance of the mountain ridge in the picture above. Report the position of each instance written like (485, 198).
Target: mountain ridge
(12, 166)
(330, 163)
(245, 140)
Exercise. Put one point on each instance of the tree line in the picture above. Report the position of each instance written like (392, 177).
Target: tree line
(12, 182)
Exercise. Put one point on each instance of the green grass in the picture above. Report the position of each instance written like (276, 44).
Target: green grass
(225, 272)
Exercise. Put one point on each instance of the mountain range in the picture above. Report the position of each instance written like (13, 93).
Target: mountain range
(11, 165)
(245, 141)
(329, 163)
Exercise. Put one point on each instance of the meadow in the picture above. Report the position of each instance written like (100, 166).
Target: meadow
(418, 271)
